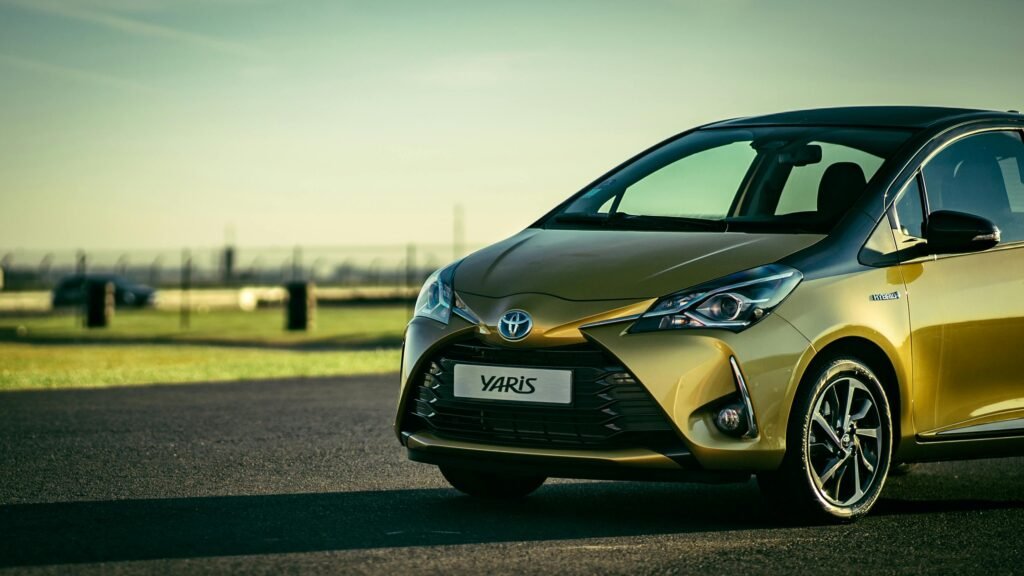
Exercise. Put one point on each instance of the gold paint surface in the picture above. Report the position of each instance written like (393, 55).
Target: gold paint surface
(954, 338)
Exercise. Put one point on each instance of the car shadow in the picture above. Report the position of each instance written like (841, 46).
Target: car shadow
(118, 530)
(900, 507)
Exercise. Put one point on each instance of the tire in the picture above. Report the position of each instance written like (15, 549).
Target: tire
(837, 450)
(491, 486)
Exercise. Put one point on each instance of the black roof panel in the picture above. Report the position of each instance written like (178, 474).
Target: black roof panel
(876, 116)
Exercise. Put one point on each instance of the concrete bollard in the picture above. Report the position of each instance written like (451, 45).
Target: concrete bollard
(99, 303)
(300, 309)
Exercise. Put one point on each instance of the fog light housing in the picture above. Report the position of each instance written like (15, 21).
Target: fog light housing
(732, 420)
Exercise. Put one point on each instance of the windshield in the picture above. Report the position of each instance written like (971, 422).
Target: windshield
(773, 179)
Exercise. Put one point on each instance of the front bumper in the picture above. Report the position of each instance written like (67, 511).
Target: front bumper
(686, 372)
(616, 464)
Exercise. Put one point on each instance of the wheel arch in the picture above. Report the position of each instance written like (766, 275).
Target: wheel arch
(881, 359)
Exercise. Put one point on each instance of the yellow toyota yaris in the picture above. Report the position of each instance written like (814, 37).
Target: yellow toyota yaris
(811, 297)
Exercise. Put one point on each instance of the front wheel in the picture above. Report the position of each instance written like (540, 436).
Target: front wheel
(489, 485)
(838, 445)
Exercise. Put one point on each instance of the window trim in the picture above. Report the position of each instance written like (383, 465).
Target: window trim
(968, 134)
(922, 188)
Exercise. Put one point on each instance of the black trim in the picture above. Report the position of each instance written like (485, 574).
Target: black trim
(996, 435)
(886, 117)
(609, 407)
(953, 436)
(922, 190)
(570, 467)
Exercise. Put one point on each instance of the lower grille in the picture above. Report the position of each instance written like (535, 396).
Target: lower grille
(609, 407)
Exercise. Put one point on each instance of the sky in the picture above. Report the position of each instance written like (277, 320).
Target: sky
(166, 123)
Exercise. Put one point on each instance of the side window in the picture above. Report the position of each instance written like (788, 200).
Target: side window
(981, 175)
(1014, 178)
(895, 237)
(908, 213)
(800, 193)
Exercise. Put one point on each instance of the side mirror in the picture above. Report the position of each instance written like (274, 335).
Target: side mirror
(949, 232)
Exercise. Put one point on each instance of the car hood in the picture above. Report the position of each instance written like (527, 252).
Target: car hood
(616, 264)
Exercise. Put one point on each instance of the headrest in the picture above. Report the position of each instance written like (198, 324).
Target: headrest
(841, 185)
(978, 188)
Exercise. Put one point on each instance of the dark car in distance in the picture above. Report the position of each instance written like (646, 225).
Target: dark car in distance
(71, 291)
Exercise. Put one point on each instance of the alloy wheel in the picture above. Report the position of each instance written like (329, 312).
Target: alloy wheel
(844, 441)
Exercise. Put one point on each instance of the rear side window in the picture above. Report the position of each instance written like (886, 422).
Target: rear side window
(981, 175)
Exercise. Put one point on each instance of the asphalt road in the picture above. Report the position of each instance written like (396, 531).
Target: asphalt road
(305, 476)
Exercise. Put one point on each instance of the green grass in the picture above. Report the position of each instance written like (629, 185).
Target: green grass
(149, 347)
(368, 326)
(33, 367)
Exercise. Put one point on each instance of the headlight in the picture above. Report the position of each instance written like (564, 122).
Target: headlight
(734, 302)
(437, 299)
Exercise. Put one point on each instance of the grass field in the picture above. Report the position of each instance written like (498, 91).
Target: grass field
(347, 327)
(149, 347)
(30, 367)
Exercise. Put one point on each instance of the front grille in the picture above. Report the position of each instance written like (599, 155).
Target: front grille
(609, 407)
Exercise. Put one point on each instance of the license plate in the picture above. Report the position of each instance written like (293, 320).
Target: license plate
(513, 384)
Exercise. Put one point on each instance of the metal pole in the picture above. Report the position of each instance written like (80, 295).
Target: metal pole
(80, 269)
(154, 272)
(229, 257)
(122, 265)
(5, 265)
(44, 269)
(186, 286)
(297, 264)
(373, 272)
(227, 265)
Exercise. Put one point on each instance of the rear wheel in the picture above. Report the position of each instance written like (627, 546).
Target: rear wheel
(490, 485)
(838, 445)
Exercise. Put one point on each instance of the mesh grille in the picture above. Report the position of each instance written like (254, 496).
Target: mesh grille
(609, 407)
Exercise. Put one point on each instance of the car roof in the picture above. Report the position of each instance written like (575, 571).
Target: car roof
(868, 116)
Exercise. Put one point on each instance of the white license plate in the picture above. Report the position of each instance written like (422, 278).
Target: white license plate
(513, 384)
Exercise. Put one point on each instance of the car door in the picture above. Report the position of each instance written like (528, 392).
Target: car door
(967, 310)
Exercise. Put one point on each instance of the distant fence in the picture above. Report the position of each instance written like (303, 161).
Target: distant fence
(231, 266)
(206, 299)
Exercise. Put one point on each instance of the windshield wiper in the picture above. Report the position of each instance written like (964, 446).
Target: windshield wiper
(588, 218)
(676, 222)
(631, 221)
